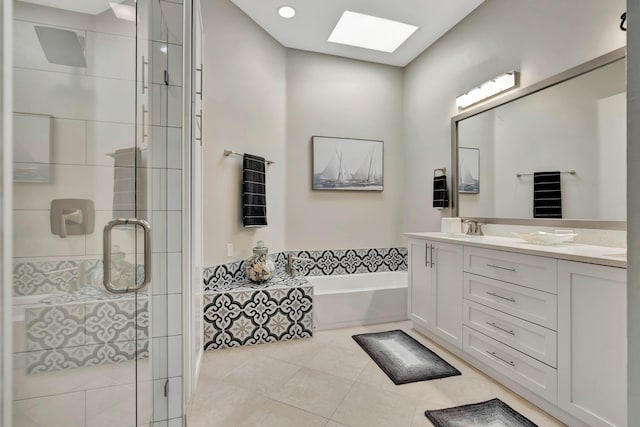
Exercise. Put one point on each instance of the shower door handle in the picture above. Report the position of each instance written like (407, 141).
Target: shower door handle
(106, 254)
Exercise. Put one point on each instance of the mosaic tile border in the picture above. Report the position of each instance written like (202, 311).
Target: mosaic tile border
(324, 263)
(45, 277)
(257, 316)
(36, 277)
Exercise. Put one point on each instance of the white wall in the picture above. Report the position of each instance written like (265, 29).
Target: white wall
(267, 100)
(332, 96)
(245, 108)
(539, 38)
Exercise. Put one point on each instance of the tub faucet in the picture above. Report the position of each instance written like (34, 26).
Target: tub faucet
(474, 227)
(290, 267)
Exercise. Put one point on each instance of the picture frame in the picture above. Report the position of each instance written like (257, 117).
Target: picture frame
(468, 170)
(347, 164)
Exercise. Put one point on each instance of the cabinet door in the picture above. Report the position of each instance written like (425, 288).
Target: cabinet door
(592, 343)
(420, 288)
(447, 277)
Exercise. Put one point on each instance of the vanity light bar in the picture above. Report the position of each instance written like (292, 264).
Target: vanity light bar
(490, 88)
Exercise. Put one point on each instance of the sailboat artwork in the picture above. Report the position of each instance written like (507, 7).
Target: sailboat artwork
(468, 170)
(347, 164)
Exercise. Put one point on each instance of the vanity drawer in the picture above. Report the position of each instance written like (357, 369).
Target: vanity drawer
(528, 304)
(533, 340)
(529, 373)
(525, 270)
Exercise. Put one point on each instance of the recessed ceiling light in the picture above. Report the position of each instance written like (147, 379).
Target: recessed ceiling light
(123, 11)
(370, 32)
(287, 12)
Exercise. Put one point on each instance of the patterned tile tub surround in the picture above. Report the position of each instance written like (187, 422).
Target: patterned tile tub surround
(86, 332)
(238, 312)
(324, 263)
(278, 310)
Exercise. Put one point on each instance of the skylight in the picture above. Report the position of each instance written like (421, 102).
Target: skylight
(370, 32)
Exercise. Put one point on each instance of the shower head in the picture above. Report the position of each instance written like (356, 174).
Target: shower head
(61, 47)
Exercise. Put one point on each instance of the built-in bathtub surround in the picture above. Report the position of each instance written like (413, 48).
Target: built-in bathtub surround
(323, 263)
(245, 313)
(238, 312)
(86, 332)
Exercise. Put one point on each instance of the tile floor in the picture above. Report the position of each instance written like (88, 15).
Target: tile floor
(329, 381)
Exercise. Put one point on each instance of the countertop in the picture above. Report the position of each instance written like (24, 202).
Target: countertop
(601, 255)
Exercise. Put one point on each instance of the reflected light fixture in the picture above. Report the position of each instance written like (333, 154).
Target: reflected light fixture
(490, 88)
(370, 32)
(287, 12)
(123, 11)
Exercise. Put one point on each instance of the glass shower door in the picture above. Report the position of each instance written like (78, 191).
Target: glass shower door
(89, 316)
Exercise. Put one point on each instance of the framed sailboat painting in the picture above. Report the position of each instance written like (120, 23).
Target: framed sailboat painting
(347, 164)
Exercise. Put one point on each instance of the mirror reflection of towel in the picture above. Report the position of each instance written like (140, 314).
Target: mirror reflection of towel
(254, 194)
(440, 192)
(547, 195)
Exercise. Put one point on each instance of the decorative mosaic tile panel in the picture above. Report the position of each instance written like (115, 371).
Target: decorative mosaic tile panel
(324, 263)
(257, 316)
(85, 333)
(49, 327)
(116, 321)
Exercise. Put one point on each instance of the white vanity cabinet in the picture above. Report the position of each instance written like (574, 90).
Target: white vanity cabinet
(548, 322)
(435, 288)
(510, 316)
(592, 343)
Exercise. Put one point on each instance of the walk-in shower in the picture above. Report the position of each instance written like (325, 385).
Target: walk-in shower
(105, 86)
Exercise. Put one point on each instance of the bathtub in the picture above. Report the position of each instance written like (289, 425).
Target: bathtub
(359, 299)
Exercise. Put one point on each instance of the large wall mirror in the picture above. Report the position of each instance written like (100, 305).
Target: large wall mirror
(573, 123)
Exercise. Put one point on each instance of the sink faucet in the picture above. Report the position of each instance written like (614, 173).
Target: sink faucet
(290, 268)
(474, 227)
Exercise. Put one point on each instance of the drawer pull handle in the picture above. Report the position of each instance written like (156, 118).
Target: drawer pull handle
(493, 353)
(498, 327)
(502, 268)
(493, 294)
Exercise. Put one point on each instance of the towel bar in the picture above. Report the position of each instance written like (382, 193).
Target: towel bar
(571, 172)
(228, 153)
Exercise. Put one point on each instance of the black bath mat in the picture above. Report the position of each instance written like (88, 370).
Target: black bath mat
(402, 358)
(493, 412)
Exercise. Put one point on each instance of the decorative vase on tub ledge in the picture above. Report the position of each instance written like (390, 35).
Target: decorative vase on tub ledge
(260, 267)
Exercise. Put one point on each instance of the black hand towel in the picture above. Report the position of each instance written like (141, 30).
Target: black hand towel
(440, 192)
(254, 194)
(547, 195)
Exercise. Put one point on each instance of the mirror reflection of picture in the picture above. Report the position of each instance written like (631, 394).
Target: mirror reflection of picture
(468, 170)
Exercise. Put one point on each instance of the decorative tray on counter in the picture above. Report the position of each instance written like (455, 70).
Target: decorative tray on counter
(544, 238)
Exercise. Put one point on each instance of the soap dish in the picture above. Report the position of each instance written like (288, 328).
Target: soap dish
(544, 238)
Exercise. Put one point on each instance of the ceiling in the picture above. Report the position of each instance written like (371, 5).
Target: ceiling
(314, 21)
(92, 7)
